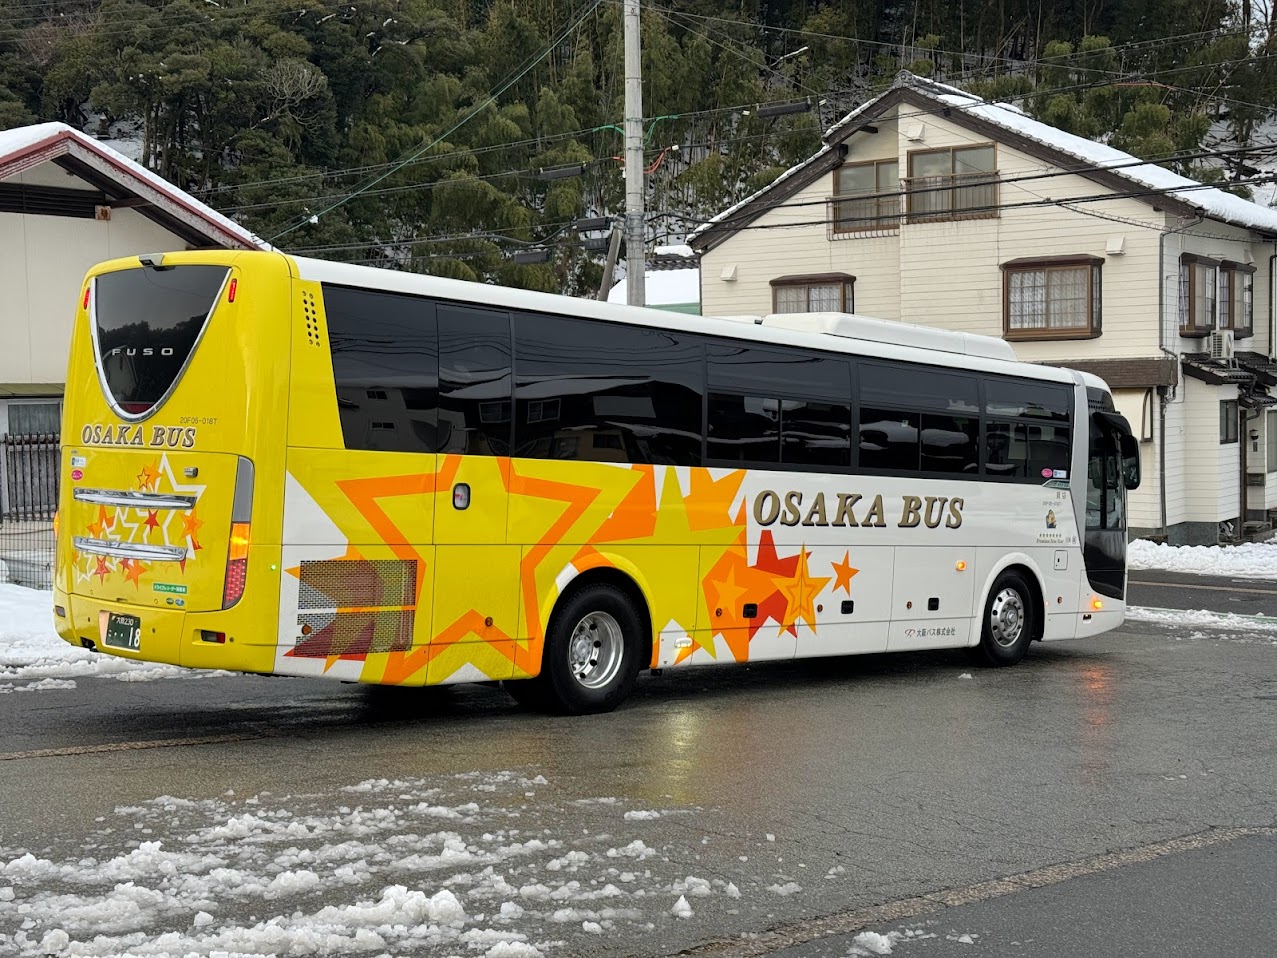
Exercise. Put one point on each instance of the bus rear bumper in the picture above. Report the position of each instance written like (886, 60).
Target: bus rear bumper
(193, 640)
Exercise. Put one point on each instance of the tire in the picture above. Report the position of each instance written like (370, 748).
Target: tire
(1009, 623)
(592, 648)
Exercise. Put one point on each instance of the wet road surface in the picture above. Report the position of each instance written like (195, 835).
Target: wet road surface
(820, 791)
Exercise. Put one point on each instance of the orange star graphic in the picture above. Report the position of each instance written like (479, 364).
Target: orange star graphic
(191, 526)
(102, 570)
(152, 520)
(134, 572)
(800, 593)
(103, 523)
(843, 571)
(148, 476)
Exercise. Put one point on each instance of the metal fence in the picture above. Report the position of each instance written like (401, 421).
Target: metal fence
(28, 499)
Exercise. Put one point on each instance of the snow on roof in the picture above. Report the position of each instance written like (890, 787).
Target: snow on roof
(30, 139)
(664, 287)
(1213, 203)
(678, 249)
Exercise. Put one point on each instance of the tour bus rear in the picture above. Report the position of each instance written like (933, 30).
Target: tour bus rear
(171, 426)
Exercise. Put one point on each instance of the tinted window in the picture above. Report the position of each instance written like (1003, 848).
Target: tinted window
(774, 372)
(147, 322)
(951, 444)
(1032, 452)
(917, 387)
(743, 429)
(386, 367)
(815, 433)
(1011, 397)
(889, 439)
(607, 392)
(474, 381)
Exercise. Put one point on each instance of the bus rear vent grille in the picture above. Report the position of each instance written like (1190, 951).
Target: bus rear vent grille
(311, 313)
(355, 606)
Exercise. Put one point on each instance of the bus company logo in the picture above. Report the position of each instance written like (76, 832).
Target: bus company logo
(1050, 519)
(147, 437)
(840, 509)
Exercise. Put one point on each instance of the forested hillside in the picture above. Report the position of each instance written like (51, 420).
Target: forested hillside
(442, 115)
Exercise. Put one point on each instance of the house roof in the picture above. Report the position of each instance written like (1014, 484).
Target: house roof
(126, 183)
(1007, 123)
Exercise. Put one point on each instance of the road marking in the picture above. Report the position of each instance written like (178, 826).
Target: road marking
(1205, 588)
(131, 746)
(848, 922)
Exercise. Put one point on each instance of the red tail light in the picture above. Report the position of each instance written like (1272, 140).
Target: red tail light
(237, 551)
(236, 564)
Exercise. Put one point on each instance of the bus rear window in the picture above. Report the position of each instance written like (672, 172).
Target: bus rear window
(147, 323)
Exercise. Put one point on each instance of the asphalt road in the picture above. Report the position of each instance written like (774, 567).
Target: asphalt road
(1088, 795)
(1169, 590)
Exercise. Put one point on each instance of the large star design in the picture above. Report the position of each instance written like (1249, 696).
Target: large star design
(800, 593)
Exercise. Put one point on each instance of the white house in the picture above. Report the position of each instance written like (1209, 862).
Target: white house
(67, 202)
(671, 281)
(927, 205)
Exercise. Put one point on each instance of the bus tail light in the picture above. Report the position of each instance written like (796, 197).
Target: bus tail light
(237, 550)
(57, 522)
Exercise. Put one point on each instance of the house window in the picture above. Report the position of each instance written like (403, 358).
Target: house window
(1227, 421)
(867, 197)
(1237, 298)
(1198, 295)
(1051, 298)
(822, 293)
(956, 183)
(35, 418)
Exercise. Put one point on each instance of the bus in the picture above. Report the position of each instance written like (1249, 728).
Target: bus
(287, 466)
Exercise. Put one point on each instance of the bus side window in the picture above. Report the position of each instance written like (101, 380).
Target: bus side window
(474, 381)
(606, 392)
(385, 368)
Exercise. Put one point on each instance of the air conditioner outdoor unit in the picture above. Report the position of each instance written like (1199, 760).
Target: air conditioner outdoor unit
(1221, 344)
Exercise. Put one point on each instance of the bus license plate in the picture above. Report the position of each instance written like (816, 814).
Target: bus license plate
(123, 632)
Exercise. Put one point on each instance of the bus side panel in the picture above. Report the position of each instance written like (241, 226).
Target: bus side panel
(645, 521)
(355, 596)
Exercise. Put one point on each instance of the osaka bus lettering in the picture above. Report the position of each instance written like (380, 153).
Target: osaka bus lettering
(149, 437)
(789, 509)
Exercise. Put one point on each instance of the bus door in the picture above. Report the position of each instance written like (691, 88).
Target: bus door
(1112, 467)
(476, 611)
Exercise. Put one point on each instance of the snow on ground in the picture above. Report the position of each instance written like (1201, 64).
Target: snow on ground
(480, 863)
(34, 659)
(1255, 560)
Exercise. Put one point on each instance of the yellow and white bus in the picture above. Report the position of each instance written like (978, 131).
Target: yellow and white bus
(289, 466)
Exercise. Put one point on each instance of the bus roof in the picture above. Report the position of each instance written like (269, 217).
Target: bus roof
(833, 332)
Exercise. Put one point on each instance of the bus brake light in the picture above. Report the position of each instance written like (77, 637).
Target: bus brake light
(85, 304)
(236, 564)
(230, 292)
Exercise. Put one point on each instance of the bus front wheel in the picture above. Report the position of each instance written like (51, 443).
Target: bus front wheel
(1009, 621)
(591, 656)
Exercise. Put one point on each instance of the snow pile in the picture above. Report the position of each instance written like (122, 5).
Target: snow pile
(33, 658)
(350, 870)
(1255, 560)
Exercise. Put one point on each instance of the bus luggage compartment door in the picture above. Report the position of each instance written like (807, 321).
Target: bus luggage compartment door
(934, 598)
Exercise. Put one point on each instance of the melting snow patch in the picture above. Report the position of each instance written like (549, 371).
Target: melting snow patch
(641, 816)
(789, 888)
(872, 943)
(409, 867)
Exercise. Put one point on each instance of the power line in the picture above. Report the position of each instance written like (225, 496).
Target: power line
(523, 69)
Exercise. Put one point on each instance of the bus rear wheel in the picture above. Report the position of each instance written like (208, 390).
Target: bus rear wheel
(1009, 621)
(591, 656)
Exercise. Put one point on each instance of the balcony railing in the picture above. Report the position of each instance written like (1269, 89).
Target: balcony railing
(962, 196)
(862, 216)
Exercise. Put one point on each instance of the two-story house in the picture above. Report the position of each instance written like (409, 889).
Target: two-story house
(929, 206)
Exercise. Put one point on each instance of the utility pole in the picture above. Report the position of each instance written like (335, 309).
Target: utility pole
(635, 230)
(613, 247)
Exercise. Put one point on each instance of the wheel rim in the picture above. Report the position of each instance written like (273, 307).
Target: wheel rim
(1006, 618)
(595, 650)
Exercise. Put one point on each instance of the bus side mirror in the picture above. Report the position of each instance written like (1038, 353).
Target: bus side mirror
(1130, 461)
